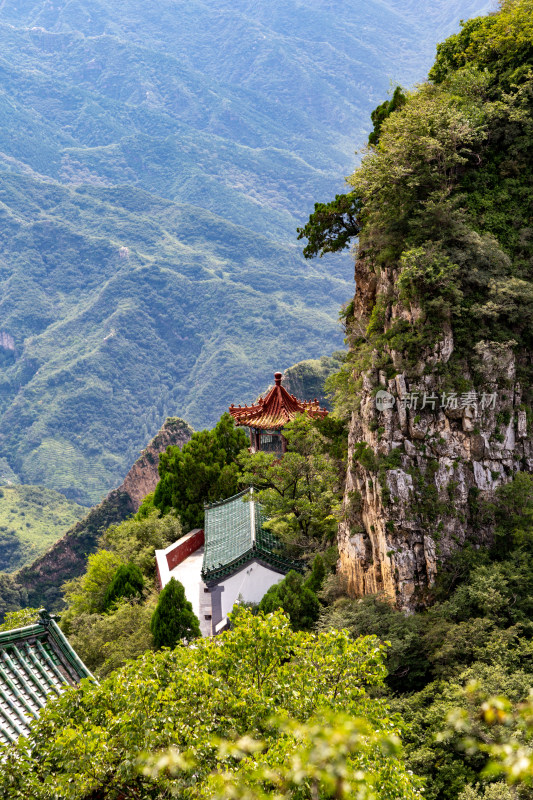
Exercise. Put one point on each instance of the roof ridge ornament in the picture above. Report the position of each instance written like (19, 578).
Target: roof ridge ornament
(45, 618)
(273, 411)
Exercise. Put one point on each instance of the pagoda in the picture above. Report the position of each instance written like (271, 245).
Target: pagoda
(270, 414)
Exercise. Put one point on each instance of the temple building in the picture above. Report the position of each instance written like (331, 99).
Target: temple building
(234, 557)
(36, 662)
(270, 414)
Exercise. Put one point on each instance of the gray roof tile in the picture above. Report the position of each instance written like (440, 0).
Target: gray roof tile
(35, 662)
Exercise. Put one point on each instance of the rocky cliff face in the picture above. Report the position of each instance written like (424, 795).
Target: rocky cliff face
(143, 476)
(42, 580)
(425, 455)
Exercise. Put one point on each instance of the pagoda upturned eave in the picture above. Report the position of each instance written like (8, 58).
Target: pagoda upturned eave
(276, 409)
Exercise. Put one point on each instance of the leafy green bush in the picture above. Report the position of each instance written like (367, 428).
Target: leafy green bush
(295, 598)
(154, 727)
(19, 619)
(104, 631)
(301, 493)
(127, 583)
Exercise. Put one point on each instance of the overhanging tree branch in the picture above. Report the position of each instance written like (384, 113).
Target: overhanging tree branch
(331, 226)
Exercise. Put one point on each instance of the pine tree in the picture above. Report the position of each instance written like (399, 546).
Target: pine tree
(127, 582)
(202, 471)
(173, 619)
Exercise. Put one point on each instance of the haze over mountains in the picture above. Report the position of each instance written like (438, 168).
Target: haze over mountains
(156, 159)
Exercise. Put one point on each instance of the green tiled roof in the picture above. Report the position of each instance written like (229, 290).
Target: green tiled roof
(234, 535)
(35, 661)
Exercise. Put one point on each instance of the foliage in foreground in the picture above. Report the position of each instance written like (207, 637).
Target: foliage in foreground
(510, 749)
(479, 630)
(125, 737)
(108, 619)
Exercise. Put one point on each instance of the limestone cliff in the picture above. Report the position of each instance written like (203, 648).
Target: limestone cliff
(424, 460)
(437, 382)
(43, 579)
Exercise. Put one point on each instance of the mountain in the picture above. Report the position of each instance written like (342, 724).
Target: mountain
(155, 161)
(438, 377)
(306, 380)
(31, 519)
(40, 583)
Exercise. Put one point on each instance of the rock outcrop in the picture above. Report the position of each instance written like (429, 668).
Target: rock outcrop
(143, 476)
(425, 456)
(438, 379)
(43, 579)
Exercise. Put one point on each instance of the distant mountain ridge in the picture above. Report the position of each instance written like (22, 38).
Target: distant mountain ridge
(40, 583)
(155, 160)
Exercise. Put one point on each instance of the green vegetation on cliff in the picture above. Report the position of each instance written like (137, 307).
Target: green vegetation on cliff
(444, 209)
(478, 631)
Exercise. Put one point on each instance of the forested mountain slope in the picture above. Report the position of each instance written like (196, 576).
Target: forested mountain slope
(31, 519)
(40, 583)
(155, 161)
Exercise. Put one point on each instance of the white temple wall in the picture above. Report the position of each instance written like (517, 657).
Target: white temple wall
(250, 584)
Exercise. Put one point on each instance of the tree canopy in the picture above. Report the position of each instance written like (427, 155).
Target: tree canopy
(332, 226)
(300, 493)
(197, 722)
(127, 582)
(203, 470)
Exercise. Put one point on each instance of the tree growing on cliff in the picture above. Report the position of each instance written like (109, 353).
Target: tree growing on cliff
(173, 620)
(300, 493)
(384, 110)
(332, 226)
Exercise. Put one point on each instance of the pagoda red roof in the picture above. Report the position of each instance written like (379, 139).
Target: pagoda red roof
(276, 409)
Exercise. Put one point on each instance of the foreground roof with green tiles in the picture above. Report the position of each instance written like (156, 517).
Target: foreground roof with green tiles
(36, 662)
(235, 535)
